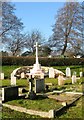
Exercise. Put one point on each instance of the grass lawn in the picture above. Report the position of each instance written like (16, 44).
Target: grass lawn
(8, 69)
(76, 68)
(75, 111)
(67, 86)
(19, 82)
(11, 114)
(44, 104)
(40, 104)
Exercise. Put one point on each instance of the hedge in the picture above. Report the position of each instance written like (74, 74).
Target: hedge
(27, 61)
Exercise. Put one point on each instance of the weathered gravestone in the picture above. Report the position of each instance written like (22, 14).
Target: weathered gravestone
(74, 78)
(13, 79)
(68, 72)
(81, 74)
(51, 73)
(2, 76)
(60, 80)
(22, 75)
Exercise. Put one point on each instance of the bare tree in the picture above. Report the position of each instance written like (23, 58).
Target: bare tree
(31, 39)
(10, 22)
(16, 44)
(67, 30)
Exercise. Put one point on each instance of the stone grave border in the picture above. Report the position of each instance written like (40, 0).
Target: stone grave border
(51, 114)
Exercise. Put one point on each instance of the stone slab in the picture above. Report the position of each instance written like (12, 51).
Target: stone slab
(39, 85)
(9, 93)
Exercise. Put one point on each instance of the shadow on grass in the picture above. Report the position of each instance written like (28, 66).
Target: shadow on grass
(64, 110)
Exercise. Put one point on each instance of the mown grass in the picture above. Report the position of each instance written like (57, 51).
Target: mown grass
(68, 86)
(40, 104)
(19, 82)
(77, 68)
(74, 112)
(8, 70)
(44, 104)
(11, 114)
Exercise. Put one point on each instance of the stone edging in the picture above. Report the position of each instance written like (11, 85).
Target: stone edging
(50, 114)
(31, 112)
(57, 112)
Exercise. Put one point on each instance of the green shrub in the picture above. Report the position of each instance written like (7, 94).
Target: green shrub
(44, 61)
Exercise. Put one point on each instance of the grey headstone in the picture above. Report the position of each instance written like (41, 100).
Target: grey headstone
(39, 85)
(9, 93)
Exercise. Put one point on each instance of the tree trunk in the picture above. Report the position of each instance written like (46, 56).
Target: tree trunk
(64, 48)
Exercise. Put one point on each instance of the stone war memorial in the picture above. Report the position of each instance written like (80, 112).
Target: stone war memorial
(48, 88)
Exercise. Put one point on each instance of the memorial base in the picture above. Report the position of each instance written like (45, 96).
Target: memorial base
(32, 95)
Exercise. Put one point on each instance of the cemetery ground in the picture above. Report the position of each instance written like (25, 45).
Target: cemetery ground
(44, 103)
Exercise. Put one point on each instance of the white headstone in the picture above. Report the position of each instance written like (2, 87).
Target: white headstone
(60, 80)
(81, 74)
(51, 73)
(1, 76)
(22, 75)
(13, 79)
(73, 79)
(68, 72)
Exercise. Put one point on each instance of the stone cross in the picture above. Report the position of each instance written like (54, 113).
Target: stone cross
(37, 62)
